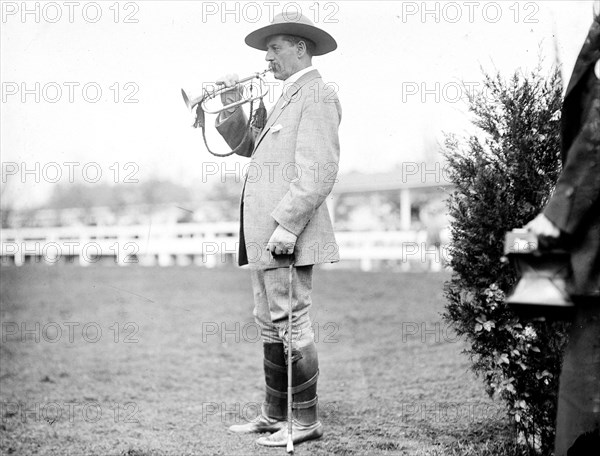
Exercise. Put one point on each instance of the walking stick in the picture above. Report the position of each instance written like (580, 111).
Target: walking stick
(290, 442)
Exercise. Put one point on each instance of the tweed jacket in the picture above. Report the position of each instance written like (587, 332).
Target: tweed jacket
(293, 167)
(575, 205)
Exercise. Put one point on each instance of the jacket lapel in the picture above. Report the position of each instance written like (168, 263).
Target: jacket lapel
(283, 102)
(589, 54)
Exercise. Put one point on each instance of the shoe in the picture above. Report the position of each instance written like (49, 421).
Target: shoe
(300, 433)
(259, 424)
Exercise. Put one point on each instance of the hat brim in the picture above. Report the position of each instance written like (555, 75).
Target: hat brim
(324, 42)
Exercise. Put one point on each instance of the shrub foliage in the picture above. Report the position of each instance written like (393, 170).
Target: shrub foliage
(502, 178)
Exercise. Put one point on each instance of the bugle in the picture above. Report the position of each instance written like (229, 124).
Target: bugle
(256, 118)
(208, 95)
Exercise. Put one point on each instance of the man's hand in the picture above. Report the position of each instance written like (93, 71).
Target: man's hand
(233, 95)
(282, 242)
(541, 226)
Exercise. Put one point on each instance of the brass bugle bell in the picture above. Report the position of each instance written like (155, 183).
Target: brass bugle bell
(208, 95)
(544, 272)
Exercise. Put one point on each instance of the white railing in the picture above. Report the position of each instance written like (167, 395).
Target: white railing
(207, 245)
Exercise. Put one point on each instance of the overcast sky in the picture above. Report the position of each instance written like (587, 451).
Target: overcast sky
(145, 51)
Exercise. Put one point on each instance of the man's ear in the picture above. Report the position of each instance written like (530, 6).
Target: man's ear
(301, 48)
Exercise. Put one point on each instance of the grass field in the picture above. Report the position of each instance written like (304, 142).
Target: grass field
(159, 361)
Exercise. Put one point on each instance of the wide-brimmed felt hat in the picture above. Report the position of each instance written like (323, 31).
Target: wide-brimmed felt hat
(297, 25)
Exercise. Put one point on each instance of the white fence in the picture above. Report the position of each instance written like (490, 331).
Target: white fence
(208, 245)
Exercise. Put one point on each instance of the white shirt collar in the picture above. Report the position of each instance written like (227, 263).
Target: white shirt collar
(293, 78)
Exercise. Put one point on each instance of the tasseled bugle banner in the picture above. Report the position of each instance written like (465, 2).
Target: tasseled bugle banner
(199, 122)
(260, 116)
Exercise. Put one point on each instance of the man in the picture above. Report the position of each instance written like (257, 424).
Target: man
(573, 216)
(283, 212)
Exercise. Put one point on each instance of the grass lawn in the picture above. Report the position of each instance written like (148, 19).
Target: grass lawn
(159, 361)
